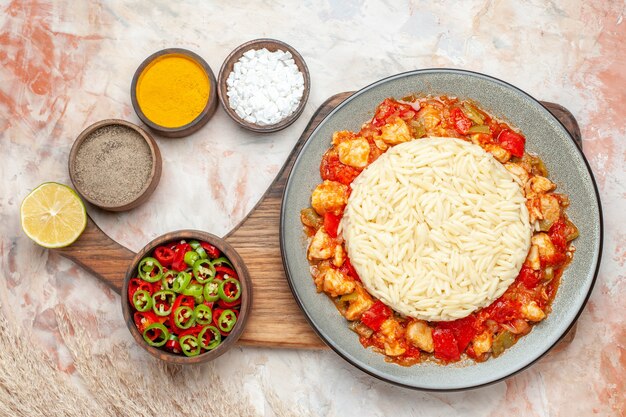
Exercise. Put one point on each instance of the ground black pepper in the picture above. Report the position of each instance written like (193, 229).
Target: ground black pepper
(113, 165)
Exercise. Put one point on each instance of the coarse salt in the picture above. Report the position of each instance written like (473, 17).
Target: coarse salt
(265, 87)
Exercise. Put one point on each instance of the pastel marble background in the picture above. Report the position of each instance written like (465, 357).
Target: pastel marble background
(67, 64)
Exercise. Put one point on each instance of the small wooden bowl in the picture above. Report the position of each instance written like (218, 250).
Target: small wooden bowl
(153, 179)
(271, 45)
(195, 124)
(246, 296)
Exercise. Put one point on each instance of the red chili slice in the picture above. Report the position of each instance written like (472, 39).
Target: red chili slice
(224, 270)
(211, 250)
(164, 255)
(226, 305)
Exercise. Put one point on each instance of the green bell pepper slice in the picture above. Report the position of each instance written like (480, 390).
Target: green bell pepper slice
(213, 339)
(142, 300)
(189, 345)
(150, 269)
(203, 270)
(156, 335)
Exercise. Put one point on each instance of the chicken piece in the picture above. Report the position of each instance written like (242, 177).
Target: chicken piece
(544, 246)
(518, 172)
(539, 184)
(532, 260)
(482, 343)
(336, 283)
(429, 116)
(498, 152)
(322, 246)
(329, 196)
(420, 335)
(392, 332)
(339, 256)
(550, 208)
(380, 143)
(532, 312)
(342, 136)
(354, 153)
(359, 305)
(396, 132)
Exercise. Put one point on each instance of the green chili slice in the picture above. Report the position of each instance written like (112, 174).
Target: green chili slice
(163, 301)
(222, 260)
(226, 291)
(156, 335)
(182, 280)
(211, 290)
(184, 317)
(203, 270)
(189, 345)
(227, 320)
(191, 257)
(150, 269)
(142, 300)
(194, 290)
(213, 339)
(194, 244)
(203, 313)
(167, 281)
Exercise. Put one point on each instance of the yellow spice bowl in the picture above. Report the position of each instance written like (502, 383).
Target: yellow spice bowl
(174, 92)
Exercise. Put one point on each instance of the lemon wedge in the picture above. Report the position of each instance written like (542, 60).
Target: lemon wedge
(53, 215)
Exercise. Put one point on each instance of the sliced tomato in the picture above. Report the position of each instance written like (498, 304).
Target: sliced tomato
(376, 315)
(446, 345)
(460, 121)
(332, 169)
(557, 235)
(331, 223)
(512, 142)
(389, 109)
(529, 277)
(463, 329)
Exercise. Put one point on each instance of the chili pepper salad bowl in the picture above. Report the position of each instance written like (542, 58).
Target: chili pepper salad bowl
(208, 259)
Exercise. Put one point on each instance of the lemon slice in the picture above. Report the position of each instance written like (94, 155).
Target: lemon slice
(53, 215)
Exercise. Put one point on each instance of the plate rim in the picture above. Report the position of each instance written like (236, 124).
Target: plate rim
(343, 104)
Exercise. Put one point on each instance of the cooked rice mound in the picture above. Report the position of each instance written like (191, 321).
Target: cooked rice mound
(436, 228)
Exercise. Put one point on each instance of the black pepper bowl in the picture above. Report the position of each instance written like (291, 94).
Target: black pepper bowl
(149, 186)
(246, 296)
(271, 45)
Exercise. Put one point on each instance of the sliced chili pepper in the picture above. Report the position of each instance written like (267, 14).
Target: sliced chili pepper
(211, 250)
(167, 281)
(163, 302)
(194, 290)
(191, 257)
(183, 300)
(221, 261)
(182, 280)
(226, 320)
(226, 272)
(144, 319)
(229, 290)
(173, 344)
(194, 330)
(179, 256)
(133, 285)
(376, 315)
(189, 345)
(211, 290)
(142, 301)
(184, 317)
(226, 305)
(150, 269)
(156, 335)
(164, 255)
(203, 270)
(203, 313)
(209, 337)
(197, 247)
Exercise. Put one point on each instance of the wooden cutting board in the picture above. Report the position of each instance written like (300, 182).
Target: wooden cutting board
(275, 319)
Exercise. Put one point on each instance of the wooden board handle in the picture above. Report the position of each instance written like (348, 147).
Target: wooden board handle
(100, 255)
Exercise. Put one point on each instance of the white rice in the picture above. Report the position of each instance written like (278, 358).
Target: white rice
(436, 228)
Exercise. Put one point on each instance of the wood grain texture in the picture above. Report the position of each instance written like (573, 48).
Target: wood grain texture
(275, 319)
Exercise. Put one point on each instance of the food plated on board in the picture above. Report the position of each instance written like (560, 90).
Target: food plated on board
(436, 235)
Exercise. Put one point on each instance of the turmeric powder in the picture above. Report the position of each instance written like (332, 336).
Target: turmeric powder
(173, 90)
